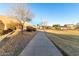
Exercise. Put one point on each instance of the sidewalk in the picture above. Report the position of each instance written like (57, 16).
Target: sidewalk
(40, 45)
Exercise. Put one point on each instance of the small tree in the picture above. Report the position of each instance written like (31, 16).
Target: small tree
(56, 26)
(44, 23)
(20, 12)
(77, 26)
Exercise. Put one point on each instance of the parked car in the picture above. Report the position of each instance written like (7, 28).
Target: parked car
(30, 28)
(34, 29)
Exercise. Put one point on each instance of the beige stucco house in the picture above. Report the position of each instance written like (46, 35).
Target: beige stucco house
(9, 23)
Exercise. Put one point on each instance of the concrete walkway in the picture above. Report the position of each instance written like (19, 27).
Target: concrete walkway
(40, 45)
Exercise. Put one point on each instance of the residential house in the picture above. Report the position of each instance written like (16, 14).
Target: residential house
(70, 26)
(63, 28)
(8, 23)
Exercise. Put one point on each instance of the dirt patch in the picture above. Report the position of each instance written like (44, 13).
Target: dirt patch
(68, 44)
(15, 44)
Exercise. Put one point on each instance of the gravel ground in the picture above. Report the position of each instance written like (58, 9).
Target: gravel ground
(13, 45)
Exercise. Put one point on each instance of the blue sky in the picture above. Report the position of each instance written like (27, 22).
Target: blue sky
(54, 13)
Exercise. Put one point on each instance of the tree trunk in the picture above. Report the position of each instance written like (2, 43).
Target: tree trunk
(22, 27)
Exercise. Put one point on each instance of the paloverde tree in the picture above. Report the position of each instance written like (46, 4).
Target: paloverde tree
(21, 12)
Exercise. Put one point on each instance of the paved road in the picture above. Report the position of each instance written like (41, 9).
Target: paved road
(40, 45)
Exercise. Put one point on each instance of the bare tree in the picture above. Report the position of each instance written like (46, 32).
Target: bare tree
(20, 12)
(44, 23)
